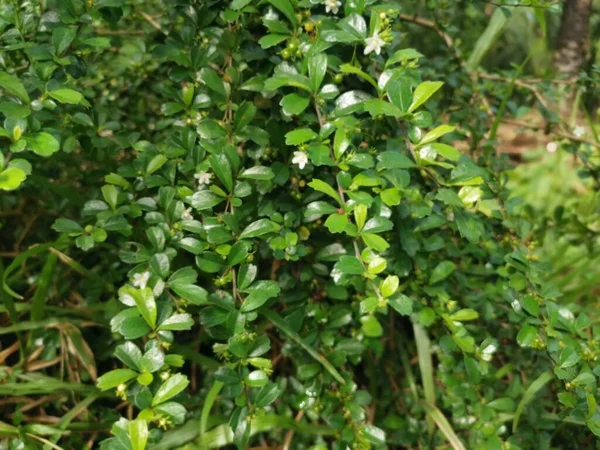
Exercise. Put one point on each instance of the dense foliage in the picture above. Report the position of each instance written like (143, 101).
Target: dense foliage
(259, 223)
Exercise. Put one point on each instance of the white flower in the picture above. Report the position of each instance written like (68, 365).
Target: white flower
(551, 147)
(374, 44)
(141, 279)
(187, 214)
(579, 131)
(301, 159)
(332, 6)
(203, 177)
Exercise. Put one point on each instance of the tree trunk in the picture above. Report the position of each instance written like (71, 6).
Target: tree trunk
(572, 43)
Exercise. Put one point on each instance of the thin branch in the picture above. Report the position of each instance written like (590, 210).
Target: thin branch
(152, 22)
(428, 24)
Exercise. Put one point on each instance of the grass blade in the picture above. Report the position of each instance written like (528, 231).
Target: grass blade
(444, 426)
(488, 37)
(208, 403)
(43, 287)
(530, 393)
(278, 321)
(222, 435)
(424, 354)
(71, 414)
(9, 303)
(200, 359)
(16, 263)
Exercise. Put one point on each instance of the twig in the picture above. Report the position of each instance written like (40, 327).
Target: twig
(428, 24)
(290, 434)
(153, 22)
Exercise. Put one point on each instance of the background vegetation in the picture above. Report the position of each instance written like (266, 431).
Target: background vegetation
(299, 224)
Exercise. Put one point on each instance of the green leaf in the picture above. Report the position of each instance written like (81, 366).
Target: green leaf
(442, 271)
(110, 194)
(287, 9)
(375, 242)
(260, 292)
(320, 155)
(294, 104)
(526, 335)
(336, 223)
(373, 434)
(160, 264)
(529, 395)
(205, 199)
(319, 208)
(210, 129)
(244, 115)
(170, 388)
(257, 173)
(288, 79)
(156, 163)
(267, 395)
(349, 265)
(44, 144)
(114, 378)
(238, 253)
(271, 40)
(348, 68)
(246, 275)
(317, 67)
(152, 361)
(222, 168)
(13, 86)
(11, 178)
(446, 151)
(212, 80)
(66, 226)
(146, 305)
(393, 160)
(321, 186)
(389, 285)
(14, 111)
(423, 92)
(403, 55)
(402, 304)
(436, 133)
(196, 295)
(177, 322)
(399, 92)
(341, 142)
(350, 102)
(377, 107)
(300, 136)
(130, 355)
(391, 196)
(138, 434)
(465, 315)
(239, 4)
(98, 42)
(257, 378)
(259, 228)
(68, 96)
(62, 38)
(371, 326)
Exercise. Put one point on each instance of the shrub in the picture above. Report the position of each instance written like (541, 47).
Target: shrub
(287, 197)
